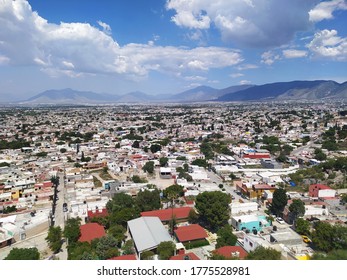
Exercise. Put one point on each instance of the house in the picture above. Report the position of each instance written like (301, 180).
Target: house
(321, 191)
(190, 233)
(239, 208)
(165, 215)
(251, 223)
(91, 231)
(165, 173)
(97, 213)
(231, 252)
(147, 233)
(286, 237)
(186, 256)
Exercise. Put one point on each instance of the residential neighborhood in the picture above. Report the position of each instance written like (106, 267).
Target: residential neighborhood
(179, 182)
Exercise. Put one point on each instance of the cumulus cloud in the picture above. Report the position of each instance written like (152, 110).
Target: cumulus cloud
(261, 23)
(269, 57)
(324, 10)
(326, 43)
(80, 48)
(294, 53)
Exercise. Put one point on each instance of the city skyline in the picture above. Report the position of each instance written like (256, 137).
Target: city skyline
(165, 47)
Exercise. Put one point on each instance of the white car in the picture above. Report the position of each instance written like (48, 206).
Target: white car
(280, 220)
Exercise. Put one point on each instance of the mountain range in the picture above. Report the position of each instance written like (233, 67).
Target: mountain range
(295, 90)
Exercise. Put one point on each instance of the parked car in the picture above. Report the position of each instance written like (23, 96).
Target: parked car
(306, 239)
(280, 220)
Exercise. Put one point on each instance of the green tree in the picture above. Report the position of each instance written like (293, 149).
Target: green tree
(200, 162)
(213, 208)
(23, 254)
(54, 238)
(193, 217)
(297, 209)
(166, 250)
(174, 190)
(279, 201)
(149, 167)
(333, 255)
(63, 150)
(148, 200)
(163, 161)
(302, 226)
(323, 236)
(128, 247)
(136, 144)
(106, 247)
(72, 230)
(120, 201)
(80, 250)
(262, 253)
(155, 148)
(148, 255)
(118, 232)
(226, 237)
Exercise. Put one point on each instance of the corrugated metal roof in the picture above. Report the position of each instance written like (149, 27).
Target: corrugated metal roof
(148, 233)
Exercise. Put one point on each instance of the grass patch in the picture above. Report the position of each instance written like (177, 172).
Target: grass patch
(105, 176)
(97, 182)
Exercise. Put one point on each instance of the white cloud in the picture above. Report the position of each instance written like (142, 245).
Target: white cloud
(79, 48)
(246, 67)
(245, 82)
(106, 28)
(269, 57)
(261, 23)
(324, 10)
(4, 60)
(195, 78)
(236, 75)
(294, 53)
(327, 44)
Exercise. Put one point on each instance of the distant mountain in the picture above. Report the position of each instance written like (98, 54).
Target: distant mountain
(295, 90)
(70, 96)
(136, 97)
(200, 93)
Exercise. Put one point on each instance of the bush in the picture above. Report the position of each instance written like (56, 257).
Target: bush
(195, 244)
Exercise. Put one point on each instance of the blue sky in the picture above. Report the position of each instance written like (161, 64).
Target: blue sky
(167, 46)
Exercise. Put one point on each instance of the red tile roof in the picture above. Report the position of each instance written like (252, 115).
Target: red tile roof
(231, 251)
(188, 256)
(256, 156)
(166, 214)
(125, 258)
(91, 231)
(191, 232)
(97, 213)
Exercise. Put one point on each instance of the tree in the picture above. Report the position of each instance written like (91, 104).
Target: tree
(149, 167)
(118, 232)
(155, 148)
(136, 144)
(279, 201)
(174, 190)
(72, 230)
(148, 255)
(262, 253)
(166, 250)
(148, 200)
(200, 162)
(213, 208)
(106, 247)
(120, 201)
(297, 209)
(54, 238)
(302, 226)
(333, 255)
(193, 217)
(128, 247)
(323, 236)
(63, 150)
(23, 254)
(163, 161)
(226, 237)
